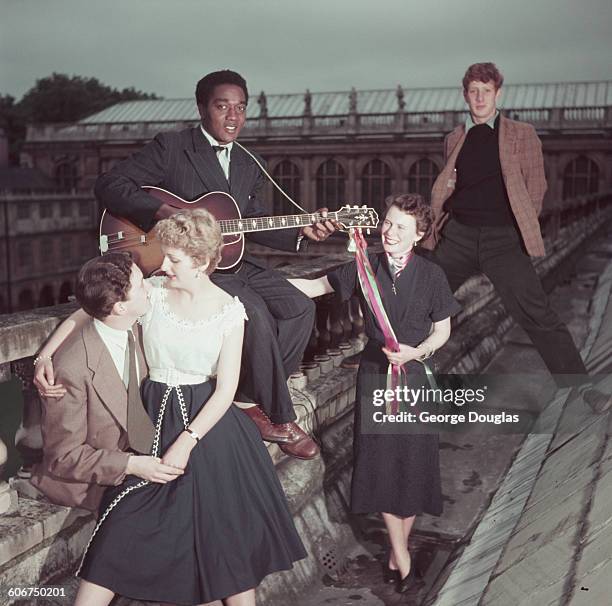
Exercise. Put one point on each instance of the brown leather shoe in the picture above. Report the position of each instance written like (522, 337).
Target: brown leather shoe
(301, 445)
(267, 429)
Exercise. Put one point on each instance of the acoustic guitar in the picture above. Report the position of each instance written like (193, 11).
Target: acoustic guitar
(118, 233)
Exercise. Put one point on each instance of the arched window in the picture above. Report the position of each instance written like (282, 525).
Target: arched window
(375, 184)
(46, 296)
(581, 176)
(330, 185)
(421, 177)
(65, 292)
(67, 176)
(25, 300)
(287, 175)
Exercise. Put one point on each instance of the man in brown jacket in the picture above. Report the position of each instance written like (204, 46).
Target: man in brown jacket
(485, 204)
(86, 442)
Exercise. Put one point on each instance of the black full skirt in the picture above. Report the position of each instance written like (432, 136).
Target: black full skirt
(393, 473)
(216, 531)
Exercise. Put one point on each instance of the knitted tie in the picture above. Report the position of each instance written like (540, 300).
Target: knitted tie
(139, 426)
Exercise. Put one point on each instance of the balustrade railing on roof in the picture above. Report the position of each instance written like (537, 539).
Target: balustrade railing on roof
(431, 118)
(322, 125)
(376, 120)
(535, 116)
(584, 114)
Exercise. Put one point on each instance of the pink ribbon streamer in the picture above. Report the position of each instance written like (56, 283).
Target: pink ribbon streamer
(372, 293)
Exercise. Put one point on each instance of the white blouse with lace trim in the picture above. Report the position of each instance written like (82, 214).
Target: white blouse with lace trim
(182, 346)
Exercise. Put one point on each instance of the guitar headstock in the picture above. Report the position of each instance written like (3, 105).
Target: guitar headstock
(356, 217)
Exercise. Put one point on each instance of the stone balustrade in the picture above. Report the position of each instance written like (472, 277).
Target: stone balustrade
(544, 119)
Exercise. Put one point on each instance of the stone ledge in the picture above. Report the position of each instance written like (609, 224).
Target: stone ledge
(33, 523)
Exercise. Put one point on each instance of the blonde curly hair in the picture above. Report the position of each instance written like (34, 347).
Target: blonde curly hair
(196, 233)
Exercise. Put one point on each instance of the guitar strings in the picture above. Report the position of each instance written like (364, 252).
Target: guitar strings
(265, 172)
(234, 224)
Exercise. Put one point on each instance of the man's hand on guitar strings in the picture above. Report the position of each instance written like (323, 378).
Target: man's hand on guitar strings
(321, 230)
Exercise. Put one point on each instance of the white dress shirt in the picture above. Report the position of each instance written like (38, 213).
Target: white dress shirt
(116, 343)
(223, 155)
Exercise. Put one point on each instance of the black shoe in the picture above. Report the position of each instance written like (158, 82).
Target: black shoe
(390, 575)
(598, 401)
(408, 582)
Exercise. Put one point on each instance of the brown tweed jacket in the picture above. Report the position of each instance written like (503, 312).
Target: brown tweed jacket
(85, 431)
(522, 164)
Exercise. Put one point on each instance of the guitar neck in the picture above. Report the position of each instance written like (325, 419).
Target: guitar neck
(251, 224)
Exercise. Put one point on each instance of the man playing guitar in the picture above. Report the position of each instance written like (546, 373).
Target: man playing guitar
(204, 159)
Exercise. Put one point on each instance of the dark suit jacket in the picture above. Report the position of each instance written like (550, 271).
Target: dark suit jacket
(85, 431)
(522, 164)
(185, 164)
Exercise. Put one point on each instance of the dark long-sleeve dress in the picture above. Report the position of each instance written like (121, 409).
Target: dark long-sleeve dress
(395, 473)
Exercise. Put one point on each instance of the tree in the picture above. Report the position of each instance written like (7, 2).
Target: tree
(58, 98)
(62, 98)
(13, 125)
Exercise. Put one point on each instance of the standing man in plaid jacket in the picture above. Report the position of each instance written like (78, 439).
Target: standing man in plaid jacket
(485, 204)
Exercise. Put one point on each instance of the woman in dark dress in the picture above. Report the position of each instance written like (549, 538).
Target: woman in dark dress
(396, 474)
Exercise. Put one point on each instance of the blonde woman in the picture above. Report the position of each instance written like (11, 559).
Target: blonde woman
(223, 525)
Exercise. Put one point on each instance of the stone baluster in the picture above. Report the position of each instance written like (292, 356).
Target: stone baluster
(8, 496)
(28, 438)
(324, 307)
(356, 317)
(334, 336)
(336, 324)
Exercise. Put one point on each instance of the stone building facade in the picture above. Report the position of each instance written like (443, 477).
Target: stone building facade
(46, 231)
(44, 239)
(327, 149)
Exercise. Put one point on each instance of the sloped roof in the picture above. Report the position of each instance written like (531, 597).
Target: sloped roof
(515, 96)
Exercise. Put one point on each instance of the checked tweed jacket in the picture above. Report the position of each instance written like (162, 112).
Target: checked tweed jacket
(522, 165)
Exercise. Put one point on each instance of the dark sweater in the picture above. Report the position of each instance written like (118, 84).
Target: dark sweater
(480, 197)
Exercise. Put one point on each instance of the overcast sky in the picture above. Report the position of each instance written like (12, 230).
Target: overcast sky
(165, 46)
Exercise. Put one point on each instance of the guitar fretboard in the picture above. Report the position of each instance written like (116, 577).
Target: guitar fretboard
(236, 226)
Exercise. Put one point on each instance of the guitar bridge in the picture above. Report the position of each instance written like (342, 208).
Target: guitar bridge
(103, 244)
